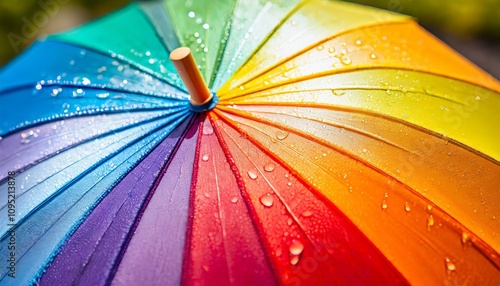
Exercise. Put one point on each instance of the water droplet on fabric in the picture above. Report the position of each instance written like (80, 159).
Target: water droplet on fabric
(465, 238)
(234, 199)
(430, 221)
(337, 92)
(384, 205)
(208, 129)
(307, 213)
(407, 207)
(269, 167)
(450, 266)
(345, 60)
(294, 259)
(78, 93)
(86, 81)
(205, 157)
(252, 175)
(267, 200)
(281, 135)
(296, 247)
(102, 95)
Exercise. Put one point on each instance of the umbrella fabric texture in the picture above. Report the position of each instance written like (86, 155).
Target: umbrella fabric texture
(348, 146)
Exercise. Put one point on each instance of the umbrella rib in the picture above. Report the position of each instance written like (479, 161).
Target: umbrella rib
(110, 132)
(306, 49)
(70, 84)
(44, 141)
(298, 154)
(91, 257)
(124, 60)
(282, 200)
(425, 92)
(90, 187)
(61, 170)
(360, 111)
(90, 113)
(324, 74)
(321, 142)
(259, 47)
(222, 217)
(354, 130)
(307, 159)
(67, 210)
(222, 47)
(86, 172)
(452, 222)
(243, 41)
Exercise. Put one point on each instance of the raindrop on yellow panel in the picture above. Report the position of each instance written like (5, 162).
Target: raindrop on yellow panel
(281, 135)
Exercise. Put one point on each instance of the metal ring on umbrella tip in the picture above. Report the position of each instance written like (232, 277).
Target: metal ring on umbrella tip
(206, 106)
(201, 98)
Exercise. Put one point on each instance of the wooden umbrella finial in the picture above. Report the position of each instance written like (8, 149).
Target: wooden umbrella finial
(190, 74)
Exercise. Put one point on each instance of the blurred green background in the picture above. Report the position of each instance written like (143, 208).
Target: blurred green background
(23, 21)
(471, 27)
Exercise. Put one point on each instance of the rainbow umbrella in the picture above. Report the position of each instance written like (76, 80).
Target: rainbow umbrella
(336, 145)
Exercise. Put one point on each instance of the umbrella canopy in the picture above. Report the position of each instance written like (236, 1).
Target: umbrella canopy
(347, 146)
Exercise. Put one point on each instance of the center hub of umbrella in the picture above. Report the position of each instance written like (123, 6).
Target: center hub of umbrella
(201, 98)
